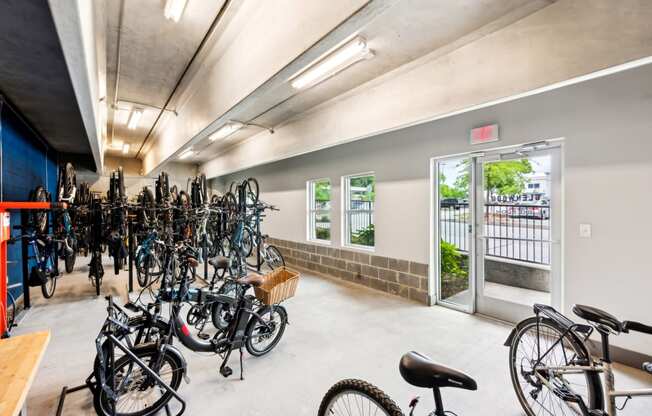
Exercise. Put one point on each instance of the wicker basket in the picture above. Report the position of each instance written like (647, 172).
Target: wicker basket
(280, 284)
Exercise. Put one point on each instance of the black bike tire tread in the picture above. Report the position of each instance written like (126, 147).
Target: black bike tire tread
(379, 396)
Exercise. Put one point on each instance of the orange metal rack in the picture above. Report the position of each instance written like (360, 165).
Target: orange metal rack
(5, 236)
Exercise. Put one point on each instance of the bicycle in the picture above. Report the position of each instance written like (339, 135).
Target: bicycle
(415, 368)
(248, 323)
(140, 382)
(63, 224)
(45, 269)
(552, 368)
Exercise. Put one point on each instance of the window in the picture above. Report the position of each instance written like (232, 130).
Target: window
(319, 210)
(359, 197)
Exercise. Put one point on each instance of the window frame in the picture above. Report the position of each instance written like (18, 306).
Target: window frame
(312, 211)
(346, 211)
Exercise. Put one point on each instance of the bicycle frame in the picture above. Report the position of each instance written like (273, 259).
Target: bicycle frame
(603, 366)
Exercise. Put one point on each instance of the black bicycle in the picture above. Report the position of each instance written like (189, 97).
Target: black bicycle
(357, 397)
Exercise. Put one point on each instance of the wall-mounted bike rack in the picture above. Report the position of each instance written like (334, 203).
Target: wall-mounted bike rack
(5, 236)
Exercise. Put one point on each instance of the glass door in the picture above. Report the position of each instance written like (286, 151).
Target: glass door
(517, 216)
(453, 233)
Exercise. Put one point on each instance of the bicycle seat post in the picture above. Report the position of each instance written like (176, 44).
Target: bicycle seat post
(439, 406)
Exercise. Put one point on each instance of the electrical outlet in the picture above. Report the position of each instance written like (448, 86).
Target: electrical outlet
(585, 230)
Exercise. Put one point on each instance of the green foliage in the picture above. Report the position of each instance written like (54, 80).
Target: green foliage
(506, 177)
(451, 259)
(365, 237)
(323, 233)
(323, 190)
(447, 191)
(368, 182)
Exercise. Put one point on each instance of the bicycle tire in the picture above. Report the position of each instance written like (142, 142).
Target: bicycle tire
(254, 324)
(594, 385)
(39, 217)
(363, 390)
(70, 258)
(101, 400)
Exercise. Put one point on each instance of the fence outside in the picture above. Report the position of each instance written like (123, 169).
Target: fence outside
(512, 231)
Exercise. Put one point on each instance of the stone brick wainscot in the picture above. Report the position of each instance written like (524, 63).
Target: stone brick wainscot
(403, 278)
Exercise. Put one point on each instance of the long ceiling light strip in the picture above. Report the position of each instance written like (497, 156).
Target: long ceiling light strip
(342, 58)
(134, 118)
(226, 130)
(186, 154)
(174, 9)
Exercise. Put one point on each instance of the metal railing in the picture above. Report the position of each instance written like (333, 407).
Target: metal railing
(511, 231)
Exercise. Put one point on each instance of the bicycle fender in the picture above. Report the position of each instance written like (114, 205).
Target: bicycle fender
(177, 353)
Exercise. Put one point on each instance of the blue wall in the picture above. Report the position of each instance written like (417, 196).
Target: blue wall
(26, 162)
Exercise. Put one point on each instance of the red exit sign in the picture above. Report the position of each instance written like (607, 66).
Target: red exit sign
(484, 134)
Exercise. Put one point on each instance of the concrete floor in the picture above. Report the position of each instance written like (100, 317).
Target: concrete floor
(337, 330)
(504, 292)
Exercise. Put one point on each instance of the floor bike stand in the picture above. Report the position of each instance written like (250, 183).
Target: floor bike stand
(5, 236)
(90, 385)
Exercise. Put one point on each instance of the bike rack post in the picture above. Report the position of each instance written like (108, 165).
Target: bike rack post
(205, 258)
(130, 230)
(27, 302)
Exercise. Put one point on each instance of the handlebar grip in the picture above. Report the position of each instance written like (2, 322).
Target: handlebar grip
(637, 326)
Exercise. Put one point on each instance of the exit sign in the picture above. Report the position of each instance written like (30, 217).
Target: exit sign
(484, 134)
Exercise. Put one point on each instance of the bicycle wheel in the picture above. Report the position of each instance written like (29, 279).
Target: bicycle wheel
(274, 257)
(221, 313)
(49, 286)
(262, 337)
(252, 191)
(139, 395)
(71, 257)
(247, 243)
(40, 217)
(357, 397)
(539, 396)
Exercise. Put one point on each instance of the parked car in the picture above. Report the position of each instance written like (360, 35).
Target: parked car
(449, 202)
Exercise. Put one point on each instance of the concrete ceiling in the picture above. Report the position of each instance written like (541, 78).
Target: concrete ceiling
(34, 77)
(402, 33)
(153, 54)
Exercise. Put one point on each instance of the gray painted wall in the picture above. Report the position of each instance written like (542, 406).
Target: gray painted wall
(607, 165)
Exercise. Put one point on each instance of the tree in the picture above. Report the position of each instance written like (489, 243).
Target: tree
(323, 190)
(506, 177)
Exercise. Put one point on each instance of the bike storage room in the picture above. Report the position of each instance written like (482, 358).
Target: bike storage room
(325, 208)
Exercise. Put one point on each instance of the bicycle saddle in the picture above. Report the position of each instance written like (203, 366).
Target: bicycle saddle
(219, 262)
(598, 316)
(421, 371)
(254, 280)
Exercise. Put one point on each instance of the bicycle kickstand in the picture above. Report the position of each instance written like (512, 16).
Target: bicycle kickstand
(241, 366)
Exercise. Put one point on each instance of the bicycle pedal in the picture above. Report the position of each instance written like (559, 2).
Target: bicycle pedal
(226, 371)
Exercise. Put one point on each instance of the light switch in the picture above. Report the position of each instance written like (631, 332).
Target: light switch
(585, 230)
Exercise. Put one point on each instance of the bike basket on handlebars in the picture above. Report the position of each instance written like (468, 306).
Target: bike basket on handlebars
(279, 285)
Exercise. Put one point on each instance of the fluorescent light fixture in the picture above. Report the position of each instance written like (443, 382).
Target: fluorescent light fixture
(125, 148)
(134, 118)
(186, 154)
(174, 9)
(342, 58)
(116, 144)
(226, 130)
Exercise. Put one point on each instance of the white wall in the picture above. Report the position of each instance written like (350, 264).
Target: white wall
(607, 178)
(567, 39)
